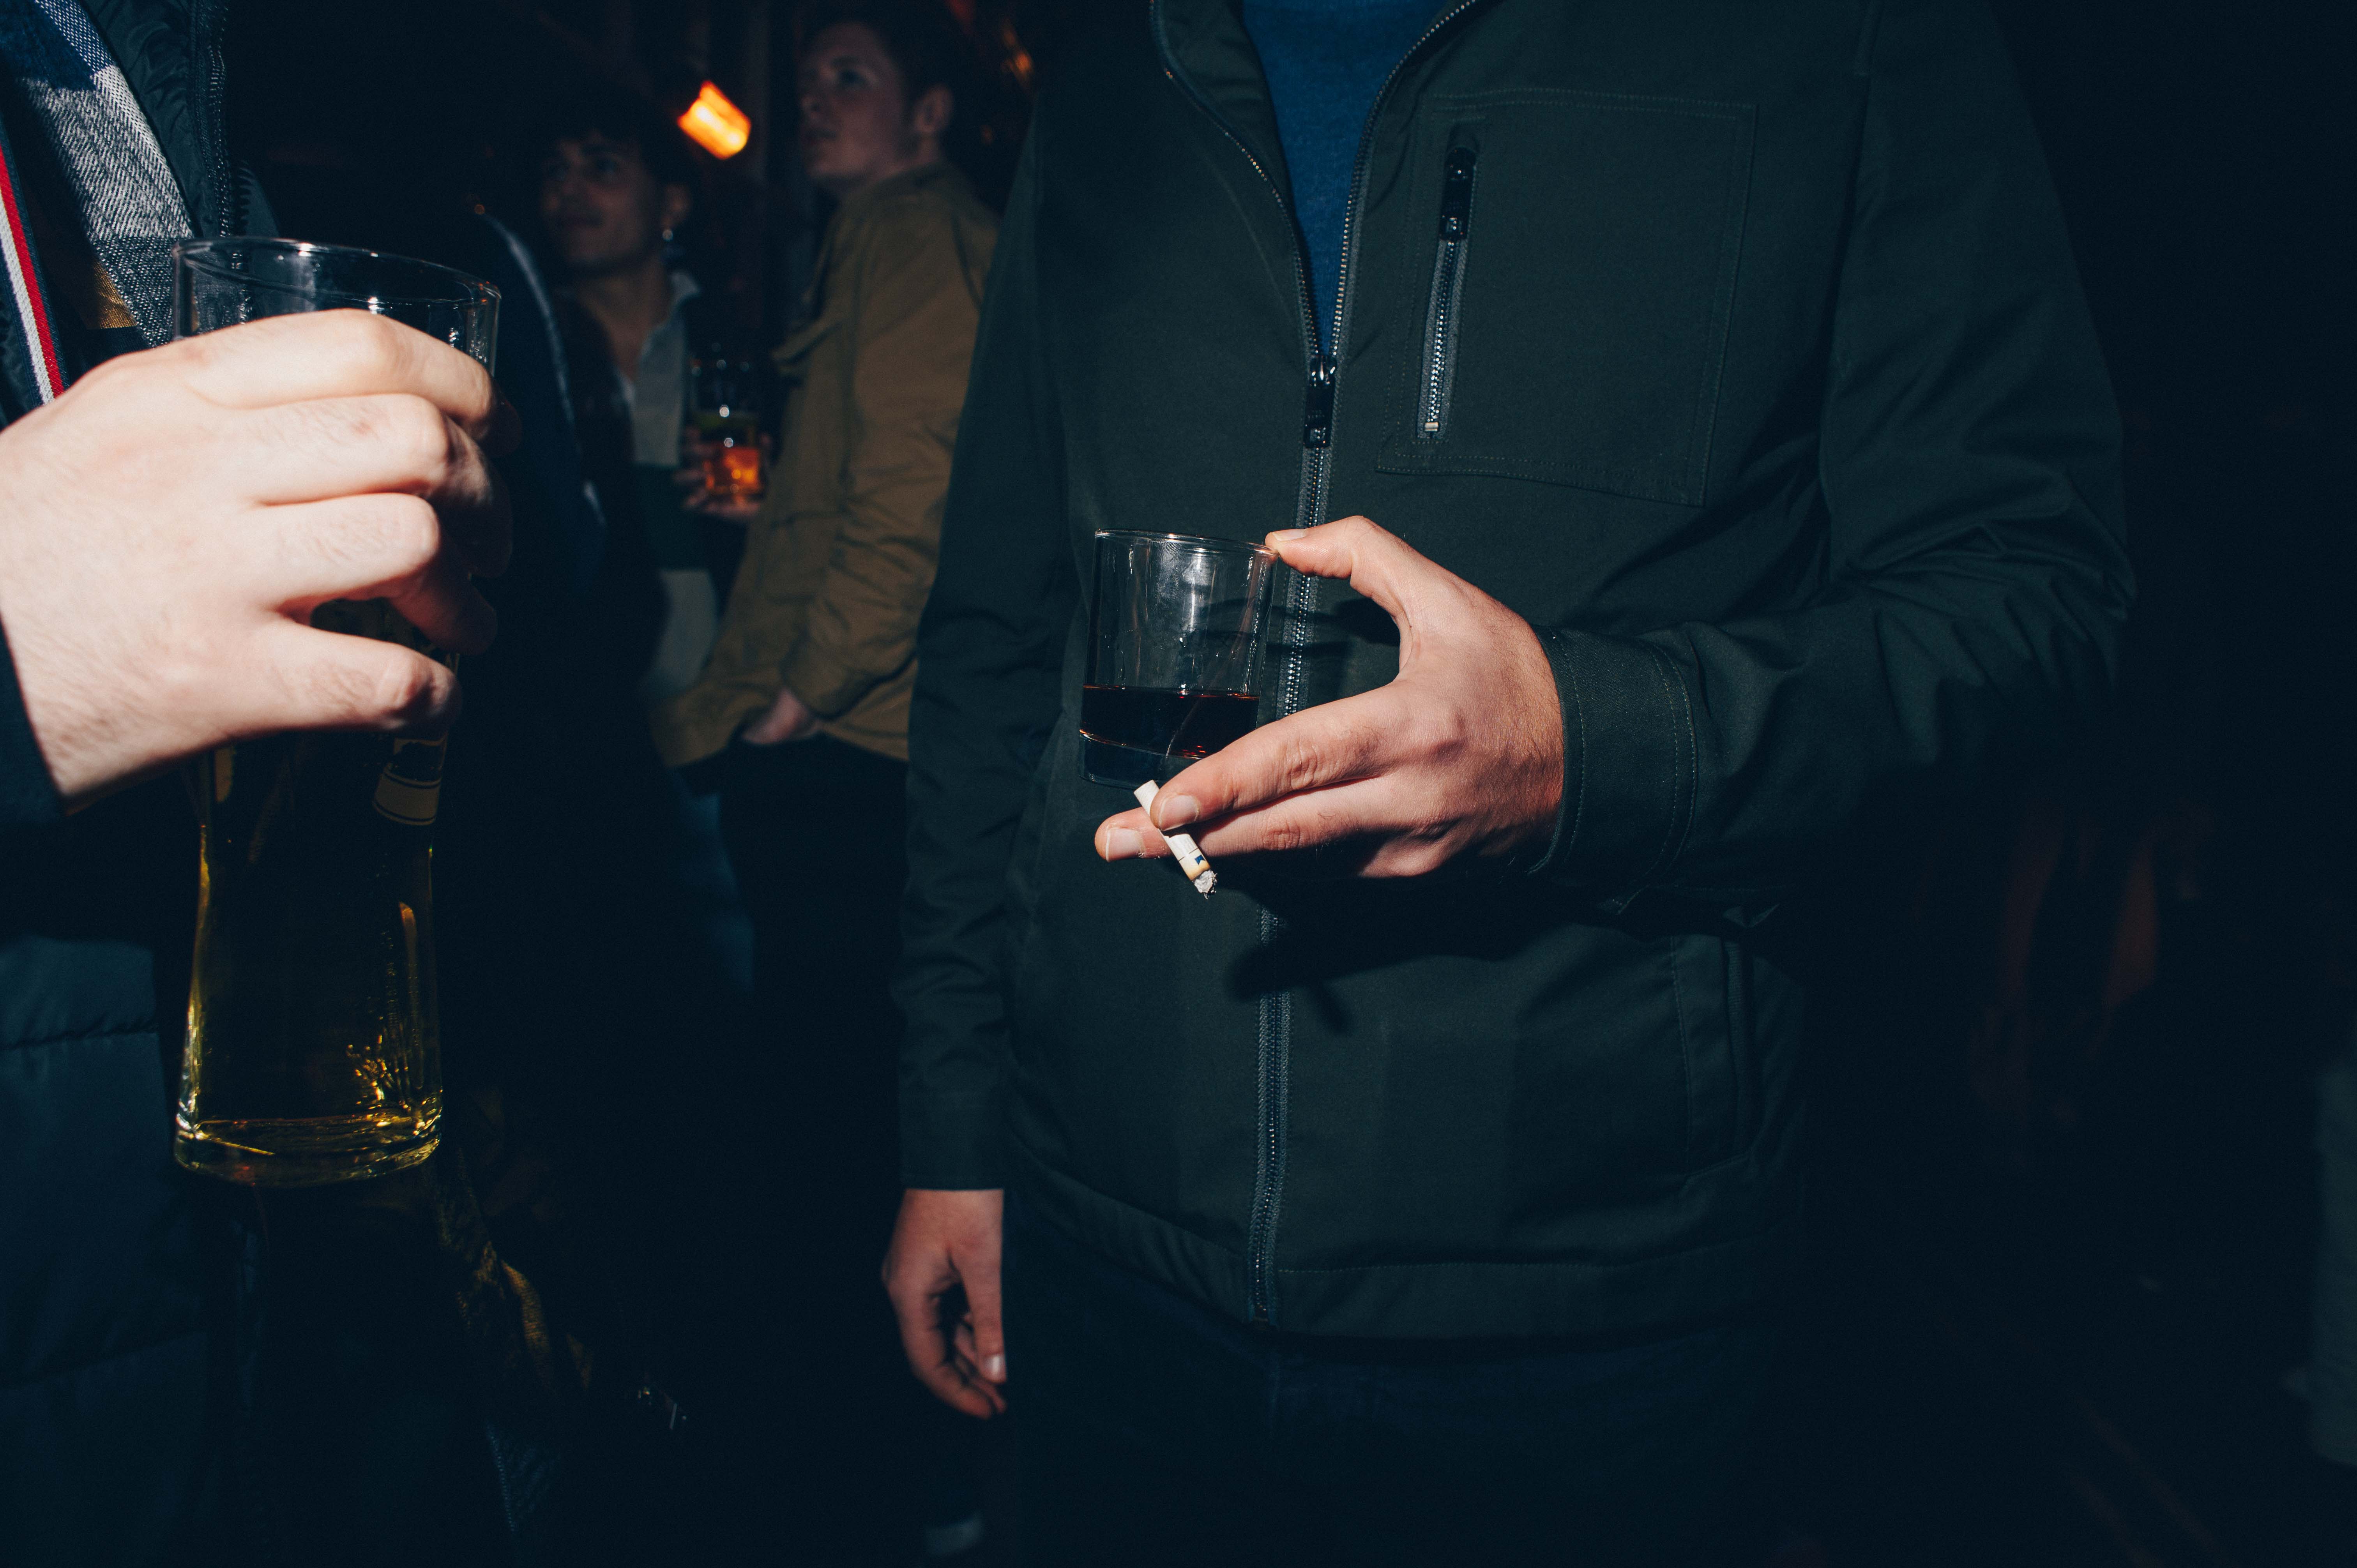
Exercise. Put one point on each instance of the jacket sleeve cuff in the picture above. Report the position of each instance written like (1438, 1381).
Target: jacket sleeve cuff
(28, 796)
(1628, 762)
(951, 1142)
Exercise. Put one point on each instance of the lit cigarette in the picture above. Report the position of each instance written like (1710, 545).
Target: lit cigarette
(1190, 859)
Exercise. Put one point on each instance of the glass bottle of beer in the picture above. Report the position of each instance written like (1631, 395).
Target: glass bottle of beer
(313, 1052)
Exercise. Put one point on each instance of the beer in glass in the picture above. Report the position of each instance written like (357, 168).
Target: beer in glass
(726, 419)
(313, 1052)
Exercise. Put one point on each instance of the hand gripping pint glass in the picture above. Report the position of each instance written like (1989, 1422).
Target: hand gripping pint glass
(313, 1049)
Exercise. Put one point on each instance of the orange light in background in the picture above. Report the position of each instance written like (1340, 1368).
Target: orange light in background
(716, 125)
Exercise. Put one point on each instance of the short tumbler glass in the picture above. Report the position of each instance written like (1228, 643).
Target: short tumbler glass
(1176, 634)
(313, 1052)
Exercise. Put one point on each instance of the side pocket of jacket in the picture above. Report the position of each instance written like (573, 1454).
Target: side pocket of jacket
(1711, 978)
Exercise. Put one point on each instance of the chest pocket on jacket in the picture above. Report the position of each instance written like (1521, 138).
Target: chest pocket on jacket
(1571, 301)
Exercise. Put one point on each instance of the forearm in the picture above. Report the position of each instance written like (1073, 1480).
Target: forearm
(1967, 511)
(978, 725)
(990, 651)
(1725, 761)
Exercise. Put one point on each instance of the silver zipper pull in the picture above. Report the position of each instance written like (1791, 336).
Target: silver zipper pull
(1318, 404)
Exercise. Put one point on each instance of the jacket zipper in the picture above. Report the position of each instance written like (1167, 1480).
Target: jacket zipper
(207, 24)
(1447, 296)
(1275, 1035)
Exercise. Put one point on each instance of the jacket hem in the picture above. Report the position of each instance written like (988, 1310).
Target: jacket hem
(1449, 1299)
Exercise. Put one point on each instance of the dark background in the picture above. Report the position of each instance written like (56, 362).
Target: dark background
(2064, 1172)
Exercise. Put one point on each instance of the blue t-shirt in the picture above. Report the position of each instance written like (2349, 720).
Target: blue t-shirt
(1325, 61)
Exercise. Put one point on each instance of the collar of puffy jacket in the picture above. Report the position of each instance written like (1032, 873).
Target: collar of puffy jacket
(170, 53)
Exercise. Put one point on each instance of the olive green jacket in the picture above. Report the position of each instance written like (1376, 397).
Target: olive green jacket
(837, 566)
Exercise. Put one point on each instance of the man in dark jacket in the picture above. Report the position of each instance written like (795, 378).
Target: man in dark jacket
(1740, 465)
(170, 519)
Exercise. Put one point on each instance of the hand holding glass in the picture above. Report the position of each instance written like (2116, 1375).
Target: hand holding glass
(1175, 652)
(313, 1050)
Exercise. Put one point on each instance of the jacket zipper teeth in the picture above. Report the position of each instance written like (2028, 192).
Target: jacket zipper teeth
(208, 26)
(1317, 439)
(1448, 292)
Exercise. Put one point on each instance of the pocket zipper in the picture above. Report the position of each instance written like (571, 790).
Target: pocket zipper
(1447, 296)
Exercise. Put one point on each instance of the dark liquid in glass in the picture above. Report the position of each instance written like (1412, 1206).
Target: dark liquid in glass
(1163, 723)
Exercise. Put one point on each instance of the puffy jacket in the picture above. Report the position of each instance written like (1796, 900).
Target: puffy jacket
(1736, 345)
(109, 1286)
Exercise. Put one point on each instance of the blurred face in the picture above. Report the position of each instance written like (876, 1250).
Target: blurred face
(604, 210)
(858, 126)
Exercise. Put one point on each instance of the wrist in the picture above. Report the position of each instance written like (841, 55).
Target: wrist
(1540, 762)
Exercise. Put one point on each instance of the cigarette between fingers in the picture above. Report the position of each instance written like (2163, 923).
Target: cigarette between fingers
(1182, 848)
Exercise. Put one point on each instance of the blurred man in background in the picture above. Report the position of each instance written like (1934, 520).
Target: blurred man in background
(617, 184)
(804, 704)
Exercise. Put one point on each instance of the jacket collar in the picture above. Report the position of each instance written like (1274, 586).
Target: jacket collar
(1207, 52)
(171, 54)
(944, 174)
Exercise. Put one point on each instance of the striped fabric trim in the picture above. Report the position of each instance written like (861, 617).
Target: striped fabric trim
(24, 286)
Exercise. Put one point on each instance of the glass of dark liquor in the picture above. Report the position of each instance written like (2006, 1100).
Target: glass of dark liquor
(1175, 652)
(313, 1047)
(727, 420)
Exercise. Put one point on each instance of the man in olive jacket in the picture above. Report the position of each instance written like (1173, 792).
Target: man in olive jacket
(1740, 460)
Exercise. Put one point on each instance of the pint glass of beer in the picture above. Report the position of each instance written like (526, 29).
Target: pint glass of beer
(313, 1052)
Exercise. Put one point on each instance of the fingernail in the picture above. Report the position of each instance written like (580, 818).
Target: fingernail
(1124, 844)
(995, 1368)
(1287, 535)
(1176, 811)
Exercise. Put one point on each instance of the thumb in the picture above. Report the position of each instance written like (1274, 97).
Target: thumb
(325, 679)
(979, 1277)
(1378, 563)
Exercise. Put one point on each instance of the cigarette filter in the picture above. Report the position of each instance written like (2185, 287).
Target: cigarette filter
(1190, 859)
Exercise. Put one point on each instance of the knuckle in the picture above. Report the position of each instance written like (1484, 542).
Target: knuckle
(1422, 858)
(383, 688)
(1287, 833)
(1305, 759)
(482, 396)
(371, 345)
(1435, 732)
(122, 367)
(408, 530)
(418, 437)
(403, 435)
(403, 687)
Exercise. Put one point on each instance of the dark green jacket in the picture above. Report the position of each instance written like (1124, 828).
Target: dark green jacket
(1771, 400)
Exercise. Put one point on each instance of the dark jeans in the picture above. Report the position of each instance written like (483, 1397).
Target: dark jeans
(1151, 1431)
(818, 1402)
(815, 830)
